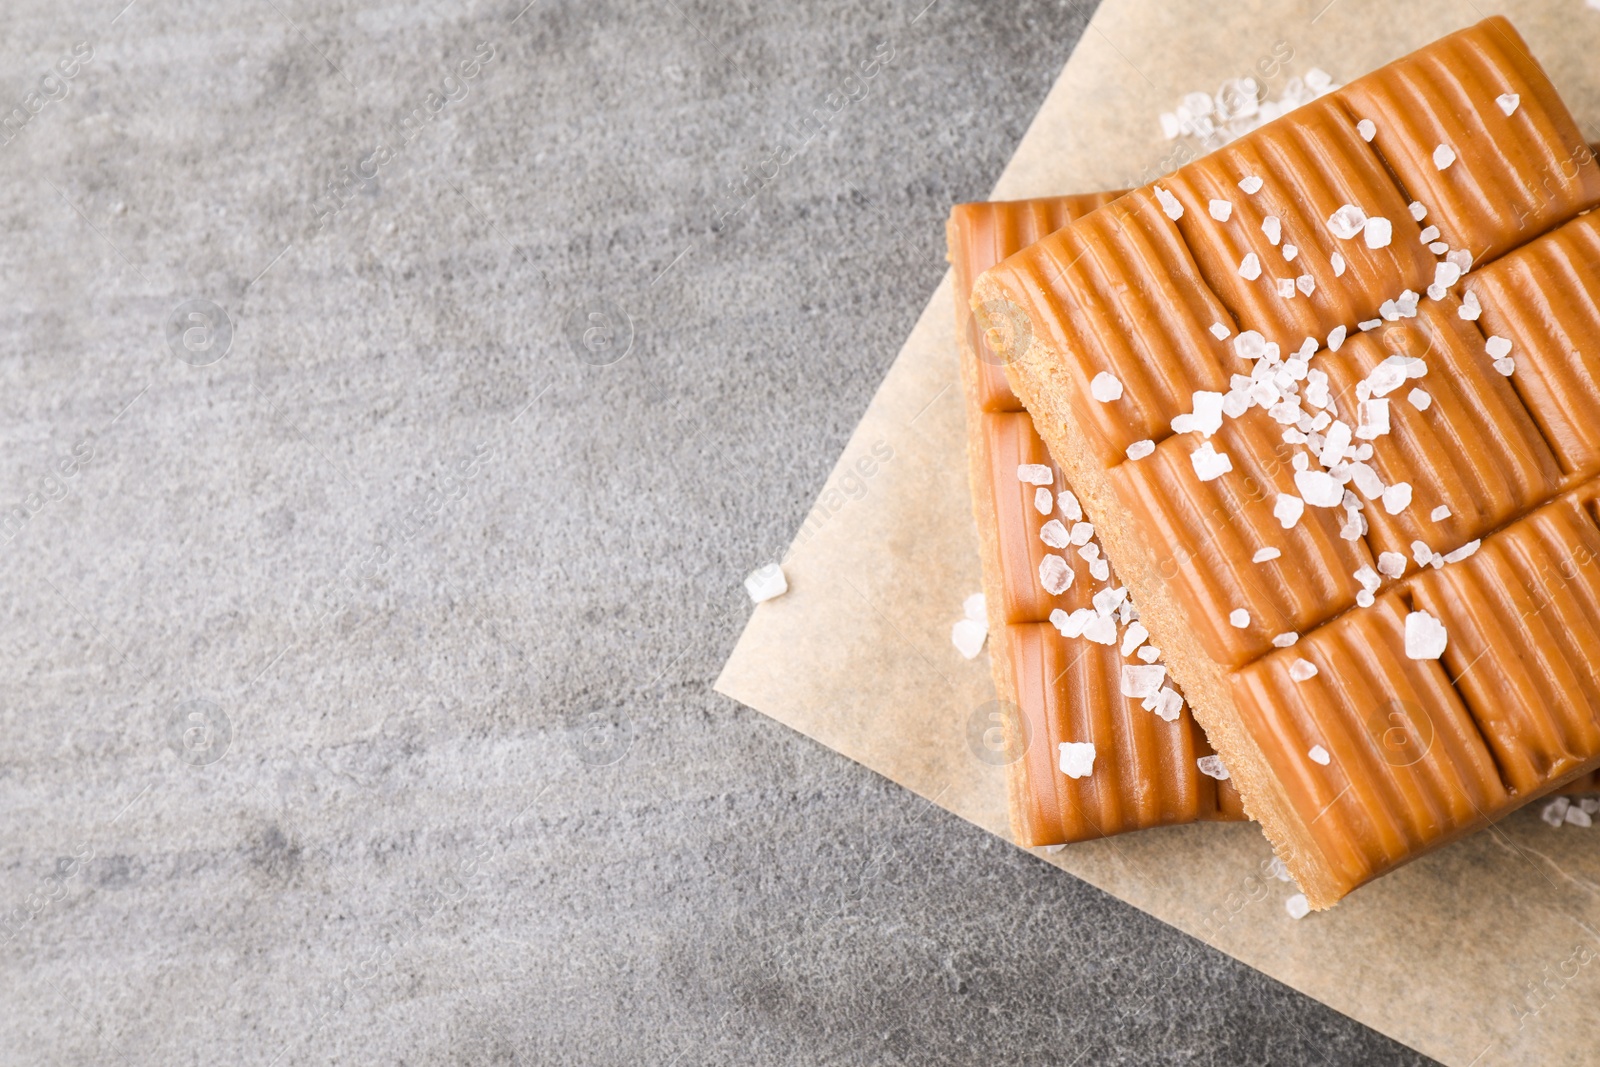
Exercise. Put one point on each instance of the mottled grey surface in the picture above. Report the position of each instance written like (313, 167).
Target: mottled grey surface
(357, 680)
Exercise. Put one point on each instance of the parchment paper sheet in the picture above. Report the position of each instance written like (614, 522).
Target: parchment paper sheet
(1487, 952)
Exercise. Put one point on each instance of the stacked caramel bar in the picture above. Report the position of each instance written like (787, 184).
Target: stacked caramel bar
(1328, 397)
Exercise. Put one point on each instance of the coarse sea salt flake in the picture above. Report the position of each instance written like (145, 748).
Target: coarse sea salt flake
(1338, 265)
(1105, 387)
(1302, 670)
(1425, 636)
(1055, 574)
(1239, 618)
(1212, 767)
(1209, 463)
(1141, 681)
(1221, 210)
(1141, 449)
(1508, 103)
(1440, 513)
(1317, 488)
(766, 582)
(1419, 399)
(1391, 564)
(1168, 703)
(1102, 629)
(1149, 653)
(1470, 308)
(1379, 231)
(1367, 129)
(1169, 204)
(1272, 226)
(1134, 636)
(1506, 366)
(1419, 211)
(1067, 501)
(1219, 331)
(1429, 235)
(1348, 221)
(1285, 640)
(1077, 758)
(1035, 474)
(1081, 533)
(1319, 754)
(1286, 288)
(976, 607)
(1054, 534)
(1443, 156)
(1397, 498)
(1463, 552)
(1251, 185)
(1306, 284)
(1250, 345)
(1250, 267)
(968, 637)
(1043, 501)
(1498, 347)
(1265, 554)
(1298, 906)
(1288, 509)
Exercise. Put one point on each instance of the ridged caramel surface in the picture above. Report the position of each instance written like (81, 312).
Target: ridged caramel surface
(1144, 771)
(1310, 168)
(1545, 299)
(1474, 449)
(1206, 534)
(1131, 291)
(1517, 175)
(982, 234)
(1063, 690)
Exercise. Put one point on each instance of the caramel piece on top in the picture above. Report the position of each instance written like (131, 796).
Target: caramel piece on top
(1383, 364)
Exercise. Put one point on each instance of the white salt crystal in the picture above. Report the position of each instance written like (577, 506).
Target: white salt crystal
(1319, 754)
(1443, 156)
(1239, 617)
(1297, 906)
(1264, 554)
(968, 636)
(1209, 463)
(1141, 449)
(1287, 510)
(1212, 767)
(1508, 103)
(1043, 501)
(976, 608)
(1425, 636)
(1285, 640)
(1251, 185)
(1169, 204)
(1141, 681)
(1380, 232)
(1440, 513)
(1250, 267)
(1054, 534)
(1397, 498)
(1077, 758)
(1105, 387)
(1391, 564)
(766, 582)
(1348, 221)
(1221, 210)
(1302, 670)
(1055, 574)
(1035, 474)
(1367, 129)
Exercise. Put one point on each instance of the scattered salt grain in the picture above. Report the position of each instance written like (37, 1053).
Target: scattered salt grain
(1419, 399)
(1077, 758)
(1391, 564)
(1055, 574)
(1508, 103)
(766, 582)
(1555, 812)
(1507, 366)
(1470, 308)
(1264, 554)
(1443, 156)
(968, 636)
(1302, 670)
(1134, 636)
(1081, 533)
(1285, 640)
(1397, 498)
(1306, 284)
(1219, 331)
(1221, 210)
(1239, 617)
(1287, 510)
(1054, 534)
(1102, 629)
(1105, 387)
(1141, 449)
(1576, 816)
(1043, 501)
(1317, 488)
(1212, 767)
(1035, 474)
(1425, 636)
(1206, 417)
(1463, 552)
(1348, 221)
(1297, 906)
(1319, 754)
(1419, 211)
(975, 607)
(1169, 204)
(1251, 185)
(1168, 703)
(1380, 231)
(1209, 463)
(1067, 501)
(1440, 513)
(1498, 347)
(1139, 682)
(1272, 226)
(1149, 653)
(1338, 265)
(1250, 267)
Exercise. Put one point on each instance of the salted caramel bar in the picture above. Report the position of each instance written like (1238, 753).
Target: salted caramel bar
(1058, 690)
(1330, 396)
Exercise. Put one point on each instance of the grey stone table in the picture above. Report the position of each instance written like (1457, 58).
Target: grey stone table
(359, 634)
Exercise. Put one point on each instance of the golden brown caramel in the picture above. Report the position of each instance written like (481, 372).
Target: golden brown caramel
(1503, 448)
(1061, 690)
